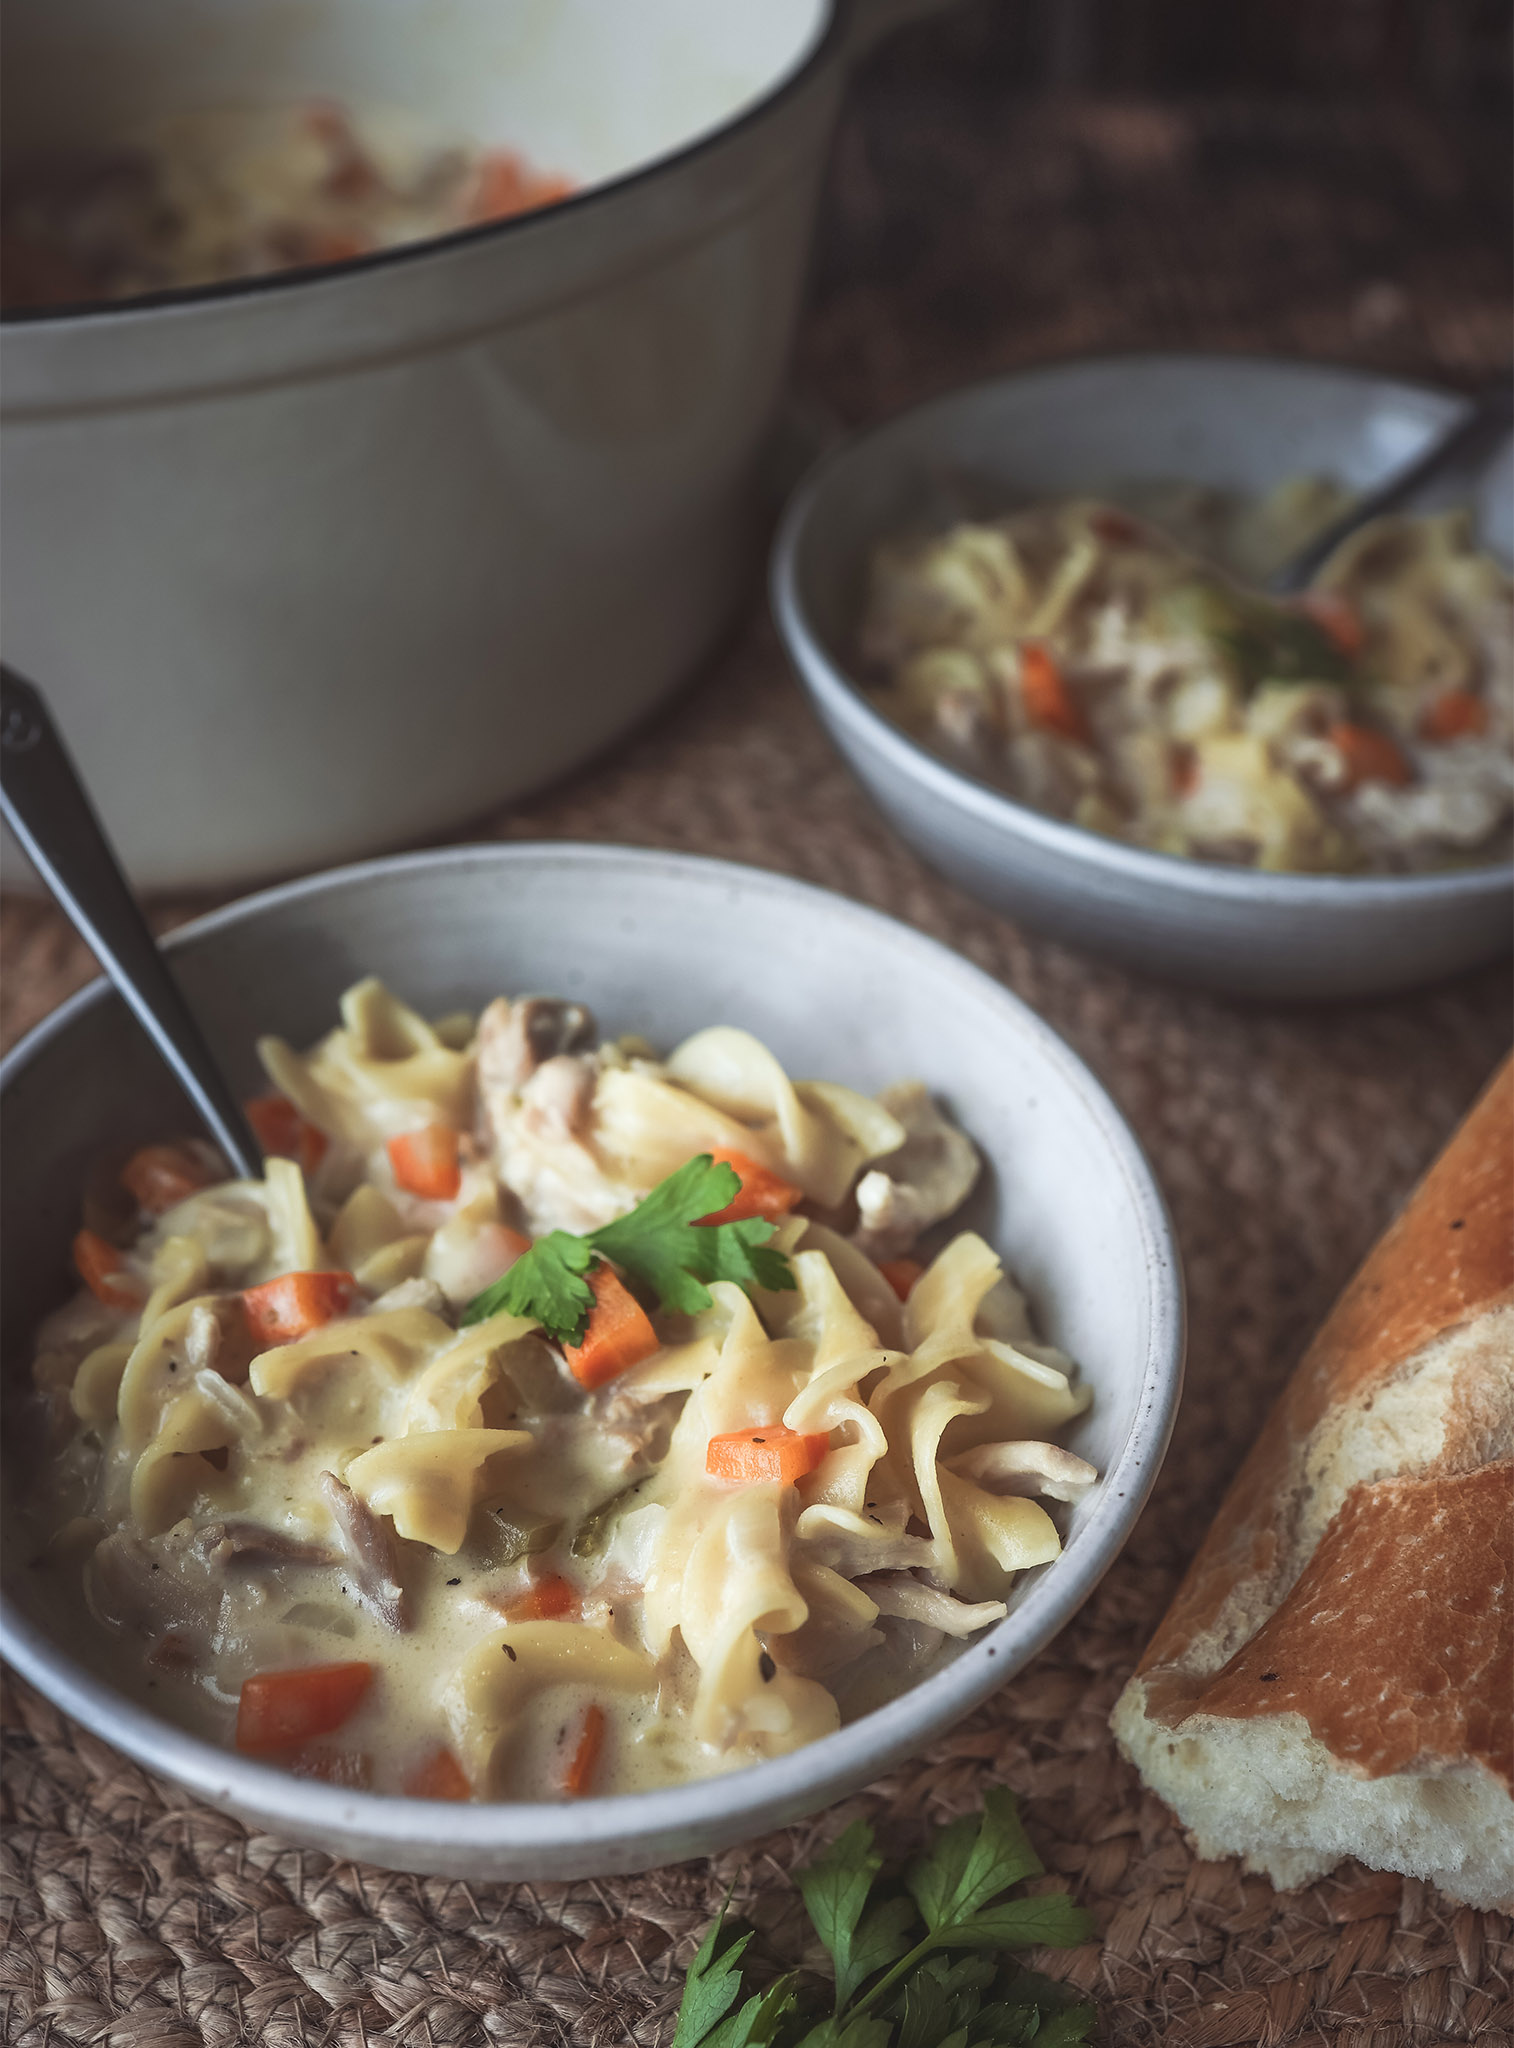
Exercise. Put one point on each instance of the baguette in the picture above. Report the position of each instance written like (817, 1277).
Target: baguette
(1335, 1676)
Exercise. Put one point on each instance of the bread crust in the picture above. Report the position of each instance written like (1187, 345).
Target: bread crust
(1358, 1573)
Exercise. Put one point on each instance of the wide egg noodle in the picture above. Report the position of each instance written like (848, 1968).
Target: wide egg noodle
(428, 1485)
(383, 1072)
(499, 1680)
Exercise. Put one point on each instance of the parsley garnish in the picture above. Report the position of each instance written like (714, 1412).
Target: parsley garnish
(892, 1942)
(661, 1244)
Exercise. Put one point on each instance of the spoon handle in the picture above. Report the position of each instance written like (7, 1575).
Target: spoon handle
(1487, 419)
(46, 806)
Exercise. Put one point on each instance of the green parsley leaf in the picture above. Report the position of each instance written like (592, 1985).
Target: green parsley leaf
(712, 1985)
(1050, 1921)
(661, 1244)
(971, 1862)
(856, 2030)
(758, 2021)
(835, 1889)
(545, 1282)
(1066, 2026)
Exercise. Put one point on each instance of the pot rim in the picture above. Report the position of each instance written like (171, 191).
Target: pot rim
(832, 40)
(742, 1804)
(839, 695)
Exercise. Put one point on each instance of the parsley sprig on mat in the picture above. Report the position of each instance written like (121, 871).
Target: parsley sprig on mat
(661, 1244)
(897, 1985)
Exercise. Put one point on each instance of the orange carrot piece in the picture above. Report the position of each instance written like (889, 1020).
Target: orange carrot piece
(281, 1709)
(901, 1275)
(771, 1451)
(619, 1333)
(1370, 755)
(507, 185)
(283, 1133)
(762, 1192)
(1455, 713)
(425, 1162)
(103, 1270)
(1337, 619)
(440, 1777)
(283, 1309)
(1048, 701)
(159, 1177)
(591, 1741)
(548, 1598)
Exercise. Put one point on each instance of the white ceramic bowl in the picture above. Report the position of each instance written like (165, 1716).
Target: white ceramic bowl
(1242, 423)
(660, 943)
(338, 559)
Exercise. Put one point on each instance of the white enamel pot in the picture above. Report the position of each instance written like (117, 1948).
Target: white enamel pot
(329, 561)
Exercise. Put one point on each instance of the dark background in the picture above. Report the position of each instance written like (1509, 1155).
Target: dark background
(1016, 179)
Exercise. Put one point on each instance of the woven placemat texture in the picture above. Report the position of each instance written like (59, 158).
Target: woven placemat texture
(957, 242)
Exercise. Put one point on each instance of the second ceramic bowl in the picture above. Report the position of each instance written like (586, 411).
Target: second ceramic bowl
(659, 944)
(1243, 424)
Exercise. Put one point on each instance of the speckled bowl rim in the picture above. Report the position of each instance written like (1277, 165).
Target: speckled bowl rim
(742, 1803)
(839, 696)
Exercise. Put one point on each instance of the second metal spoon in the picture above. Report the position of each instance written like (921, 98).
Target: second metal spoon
(1484, 423)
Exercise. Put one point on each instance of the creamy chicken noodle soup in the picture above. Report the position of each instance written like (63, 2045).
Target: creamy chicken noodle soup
(231, 192)
(551, 1419)
(1103, 667)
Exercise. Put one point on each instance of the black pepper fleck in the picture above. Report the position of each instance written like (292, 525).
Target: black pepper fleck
(454, 1582)
(1269, 1677)
(1460, 1223)
(509, 1652)
(767, 1667)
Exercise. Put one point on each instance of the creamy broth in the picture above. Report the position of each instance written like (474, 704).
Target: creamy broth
(316, 1489)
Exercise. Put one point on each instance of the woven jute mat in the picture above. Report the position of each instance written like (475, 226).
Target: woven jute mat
(957, 242)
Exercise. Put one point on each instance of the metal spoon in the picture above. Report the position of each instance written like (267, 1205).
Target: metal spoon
(47, 807)
(1482, 425)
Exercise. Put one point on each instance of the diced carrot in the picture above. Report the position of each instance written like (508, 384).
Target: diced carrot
(281, 1709)
(1455, 713)
(901, 1275)
(328, 245)
(507, 185)
(425, 1162)
(1370, 755)
(162, 1176)
(440, 1777)
(1337, 619)
(619, 1333)
(1048, 701)
(1185, 768)
(283, 1309)
(103, 1270)
(591, 1741)
(1115, 528)
(283, 1133)
(548, 1598)
(771, 1451)
(762, 1192)
(350, 1767)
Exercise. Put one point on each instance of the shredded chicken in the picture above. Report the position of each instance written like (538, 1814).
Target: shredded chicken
(514, 1039)
(909, 1598)
(372, 1554)
(930, 1175)
(251, 1547)
(556, 1100)
(417, 1293)
(1027, 1468)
